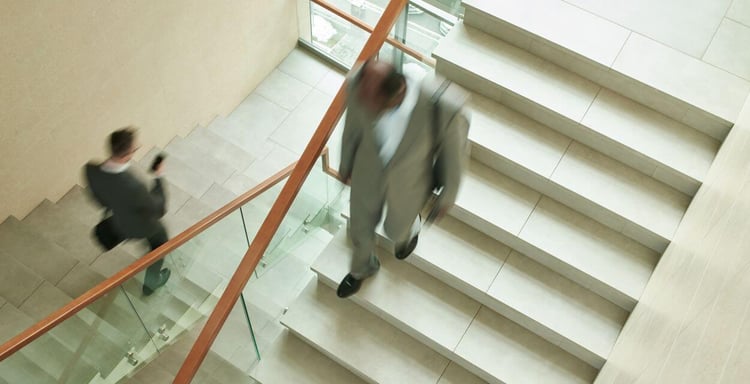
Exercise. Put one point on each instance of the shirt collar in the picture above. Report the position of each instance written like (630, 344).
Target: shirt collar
(112, 167)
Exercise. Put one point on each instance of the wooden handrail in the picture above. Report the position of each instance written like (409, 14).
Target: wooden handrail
(366, 27)
(101, 289)
(282, 204)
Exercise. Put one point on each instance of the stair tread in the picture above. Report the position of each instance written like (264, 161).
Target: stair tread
(556, 161)
(520, 285)
(533, 78)
(19, 368)
(591, 36)
(17, 281)
(291, 360)
(78, 204)
(179, 173)
(637, 131)
(212, 144)
(504, 209)
(52, 223)
(616, 48)
(669, 142)
(360, 341)
(199, 161)
(44, 257)
(509, 352)
(438, 314)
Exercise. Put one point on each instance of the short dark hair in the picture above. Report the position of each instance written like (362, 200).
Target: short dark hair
(392, 83)
(121, 141)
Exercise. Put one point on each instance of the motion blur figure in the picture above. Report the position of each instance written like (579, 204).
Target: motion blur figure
(405, 136)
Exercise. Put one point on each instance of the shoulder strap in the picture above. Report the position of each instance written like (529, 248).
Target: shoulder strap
(435, 100)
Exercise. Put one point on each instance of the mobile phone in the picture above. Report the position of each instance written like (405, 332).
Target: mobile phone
(159, 158)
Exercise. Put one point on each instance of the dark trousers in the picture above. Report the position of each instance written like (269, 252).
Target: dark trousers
(153, 272)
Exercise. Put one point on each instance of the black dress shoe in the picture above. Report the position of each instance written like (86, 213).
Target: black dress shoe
(348, 286)
(403, 251)
(163, 277)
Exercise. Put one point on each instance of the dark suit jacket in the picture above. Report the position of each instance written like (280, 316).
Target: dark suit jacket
(135, 210)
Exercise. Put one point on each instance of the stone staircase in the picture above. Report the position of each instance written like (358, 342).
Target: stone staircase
(588, 144)
(49, 258)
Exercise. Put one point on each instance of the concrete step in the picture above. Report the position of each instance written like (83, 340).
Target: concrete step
(579, 248)
(42, 256)
(205, 141)
(649, 142)
(179, 173)
(17, 281)
(201, 162)
(540, 300)
(606, 190)
(50, 222)
(103, 350)
(77, 204)
(674, 83)
(21, 369)
(368, 347)
(627, 131)
(291, 360)
(400, 290)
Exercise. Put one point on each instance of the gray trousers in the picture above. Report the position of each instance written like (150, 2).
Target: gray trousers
(401, 224)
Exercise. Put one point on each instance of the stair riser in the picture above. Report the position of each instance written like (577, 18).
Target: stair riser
(570, 128)
(550, 261)
(671, 106)
(400, 325)
(519, 318)
(569, 198)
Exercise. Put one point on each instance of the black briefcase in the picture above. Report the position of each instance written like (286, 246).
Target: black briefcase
(105, 234)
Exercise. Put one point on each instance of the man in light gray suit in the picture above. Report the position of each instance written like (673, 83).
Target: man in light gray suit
(136, 210)
(405, 135)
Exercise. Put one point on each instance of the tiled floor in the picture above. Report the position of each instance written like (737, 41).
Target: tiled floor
(711, 30)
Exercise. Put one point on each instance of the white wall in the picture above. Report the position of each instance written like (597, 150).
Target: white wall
(73, 71)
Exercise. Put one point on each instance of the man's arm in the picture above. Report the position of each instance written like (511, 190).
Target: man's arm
(351, 135)
(453, 158)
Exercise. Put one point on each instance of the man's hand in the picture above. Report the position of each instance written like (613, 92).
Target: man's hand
(159, 169)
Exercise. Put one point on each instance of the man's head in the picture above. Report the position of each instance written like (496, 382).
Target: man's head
(381, 87)
(122, 144)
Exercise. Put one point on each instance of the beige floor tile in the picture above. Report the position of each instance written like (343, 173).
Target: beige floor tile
(740, 11)
(80, 279)
(17, 282)
(293, 361)
(360, 340)
(707, 87)
(506, 351)
(462, 253)
(723, 50)
(689, 29)
(524, 141)
(295, 132)
(591, 36)
(412, 300)
(660, 138)
(511, 203)
(591, 248)
(304, 66)
(584, 323)
(630, 194)
(283, 90)
(506, 66)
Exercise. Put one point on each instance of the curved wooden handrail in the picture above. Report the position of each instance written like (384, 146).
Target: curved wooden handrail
(282, 204)
(101, 289)
(366, 27)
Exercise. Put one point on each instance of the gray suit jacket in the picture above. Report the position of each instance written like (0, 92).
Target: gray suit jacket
(409, 174)
(135, 210)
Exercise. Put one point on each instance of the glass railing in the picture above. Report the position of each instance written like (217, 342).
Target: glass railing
(116, 335)
(420, 29)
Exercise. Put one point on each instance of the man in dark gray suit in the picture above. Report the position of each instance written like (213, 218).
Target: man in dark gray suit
(405, 134)
(136, 210)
